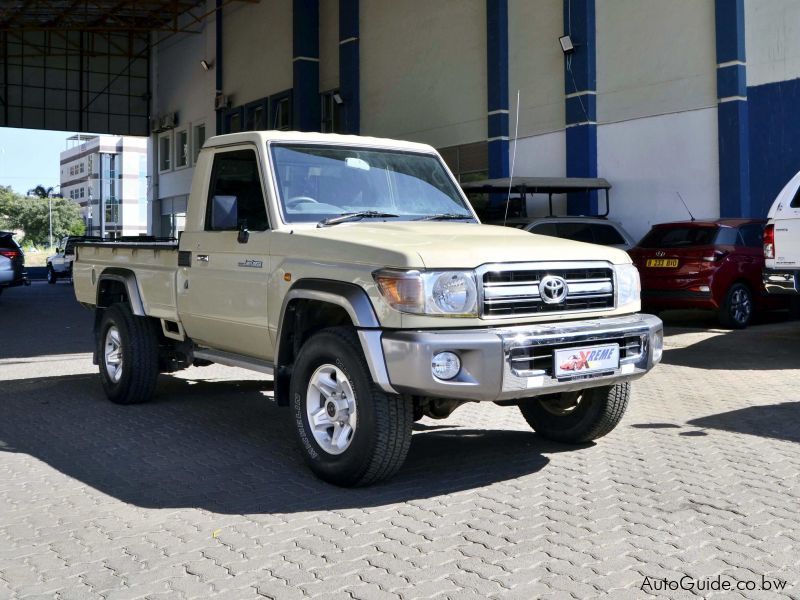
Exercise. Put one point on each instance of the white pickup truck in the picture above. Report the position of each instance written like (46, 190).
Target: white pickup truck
(782, 242)
(354, 271)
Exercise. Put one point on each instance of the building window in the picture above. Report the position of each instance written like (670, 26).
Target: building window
(331, 111)
(164, 153)
(255, 115)
(281, 111)
(181, 148)
(198, 139)
(82, 192)
(81, 167)
(232, 123)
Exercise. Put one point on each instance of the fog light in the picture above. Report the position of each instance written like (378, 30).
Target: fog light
(704, 288)
(445, 365)
(658, 346)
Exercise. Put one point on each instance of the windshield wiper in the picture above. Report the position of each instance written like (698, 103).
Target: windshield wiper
(354, 216)
(444, 217)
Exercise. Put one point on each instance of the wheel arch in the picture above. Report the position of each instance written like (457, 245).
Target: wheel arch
(114, 283)
(315, 304)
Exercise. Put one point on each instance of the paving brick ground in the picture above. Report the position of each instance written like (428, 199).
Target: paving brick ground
(201, 494)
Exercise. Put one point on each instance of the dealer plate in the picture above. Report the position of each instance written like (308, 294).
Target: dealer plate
(661, 262)
(576, 362)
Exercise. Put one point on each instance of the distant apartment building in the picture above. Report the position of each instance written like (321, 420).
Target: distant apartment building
(107, 176)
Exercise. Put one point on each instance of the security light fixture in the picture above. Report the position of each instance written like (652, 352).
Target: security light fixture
(338, 99)
(205, 65)
(567, 46)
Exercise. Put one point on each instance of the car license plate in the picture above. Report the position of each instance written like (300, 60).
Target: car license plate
(662, 262)
(577, 362)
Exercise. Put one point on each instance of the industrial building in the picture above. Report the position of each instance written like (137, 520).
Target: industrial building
(107, 177)
(682, 101)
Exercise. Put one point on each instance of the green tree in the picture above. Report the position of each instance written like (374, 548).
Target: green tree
(32, 216)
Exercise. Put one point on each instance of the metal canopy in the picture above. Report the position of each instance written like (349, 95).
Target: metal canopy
(106, 16)
(522, 186)
(84, 65)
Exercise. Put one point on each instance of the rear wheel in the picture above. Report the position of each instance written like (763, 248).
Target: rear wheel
(577, 417)
(351, 433)
(51, 275)
(737, 308)
(127, 349)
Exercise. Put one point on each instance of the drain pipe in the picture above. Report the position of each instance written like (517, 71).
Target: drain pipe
(218, 64)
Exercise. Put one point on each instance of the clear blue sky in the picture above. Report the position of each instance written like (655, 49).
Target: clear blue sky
(29, 157)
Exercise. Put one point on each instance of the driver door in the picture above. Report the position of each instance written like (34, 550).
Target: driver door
(223, 298)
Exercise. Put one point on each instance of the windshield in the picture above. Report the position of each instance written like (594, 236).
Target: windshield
(317, 182)
(679, 237)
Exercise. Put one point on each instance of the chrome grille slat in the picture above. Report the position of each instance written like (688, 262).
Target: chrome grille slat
(513, 290)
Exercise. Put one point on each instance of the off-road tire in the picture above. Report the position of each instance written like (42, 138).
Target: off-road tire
(51, 275)
(382, 437)
(599, 410)
(727, 313)
(139, 345)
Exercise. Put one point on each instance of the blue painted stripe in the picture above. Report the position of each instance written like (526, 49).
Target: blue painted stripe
(349, 61)
(734, 151)
(731, 81)
(582, 162)
(497, 85)
(732, 116)
(581, 109)
(498, 125)
(729, 30)
(305, 43)
(580, 75)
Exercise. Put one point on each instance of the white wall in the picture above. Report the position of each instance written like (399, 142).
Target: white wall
(257, 49)
(536, 65)
(542, 156)
(649, 160)
(654, 57)
(772, 40)
(423, 70)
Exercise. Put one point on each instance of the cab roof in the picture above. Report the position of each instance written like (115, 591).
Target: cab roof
(261, 137)
(725, 222)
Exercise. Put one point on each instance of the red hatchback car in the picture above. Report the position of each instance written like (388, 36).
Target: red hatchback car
(705, 264)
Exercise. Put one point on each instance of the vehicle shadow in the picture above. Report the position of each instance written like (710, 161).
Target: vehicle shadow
(225, 447)
(778, 421)
(765, 348)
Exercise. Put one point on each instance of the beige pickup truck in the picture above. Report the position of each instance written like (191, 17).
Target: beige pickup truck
(354, 271)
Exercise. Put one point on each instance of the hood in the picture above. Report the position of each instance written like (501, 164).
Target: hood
(435, 245)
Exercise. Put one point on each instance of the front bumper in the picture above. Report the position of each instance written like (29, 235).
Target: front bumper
(780, 282)
(506, 363)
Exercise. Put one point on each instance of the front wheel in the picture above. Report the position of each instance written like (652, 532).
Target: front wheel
(577, 417)
(351, 433)
(51, 275)
(737, 308)
(127, 350)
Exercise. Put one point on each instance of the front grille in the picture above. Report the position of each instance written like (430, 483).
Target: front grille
(537, 359)
(515, 293)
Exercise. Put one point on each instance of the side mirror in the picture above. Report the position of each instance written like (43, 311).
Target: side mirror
(224, 213)
(244, 233)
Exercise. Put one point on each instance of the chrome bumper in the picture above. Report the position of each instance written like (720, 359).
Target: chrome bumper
(509, 362)
(780, 282)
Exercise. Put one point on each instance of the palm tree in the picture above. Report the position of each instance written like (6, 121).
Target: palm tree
(41, 192)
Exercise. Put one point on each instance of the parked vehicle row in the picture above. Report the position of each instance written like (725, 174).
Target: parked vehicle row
(12, 262)
(59, 265)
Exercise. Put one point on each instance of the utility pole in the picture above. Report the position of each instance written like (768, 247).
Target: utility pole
(50, 213)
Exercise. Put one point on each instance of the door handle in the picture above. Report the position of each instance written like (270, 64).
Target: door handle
(202, 258)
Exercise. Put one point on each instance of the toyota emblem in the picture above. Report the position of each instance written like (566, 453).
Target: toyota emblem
(552, 289)
(661, 253)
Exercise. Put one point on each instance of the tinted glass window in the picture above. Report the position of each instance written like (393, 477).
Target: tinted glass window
(796, 200)
(679, 237)
(607, 235)
(6, 241)
(235, 175)
(580, 232)
(752, 235)
(545, 229)
(727, 236)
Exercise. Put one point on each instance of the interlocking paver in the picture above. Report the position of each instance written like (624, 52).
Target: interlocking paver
(201, 493)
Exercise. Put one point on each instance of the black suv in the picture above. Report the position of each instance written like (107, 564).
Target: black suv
(12, 262)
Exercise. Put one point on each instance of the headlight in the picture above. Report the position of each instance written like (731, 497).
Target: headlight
(628, 286)
(447, 293)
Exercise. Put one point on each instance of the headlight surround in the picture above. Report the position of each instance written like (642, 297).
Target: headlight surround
(441, 293)
(628, 286)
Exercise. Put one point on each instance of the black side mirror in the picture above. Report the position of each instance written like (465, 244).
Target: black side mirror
(244, 233)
